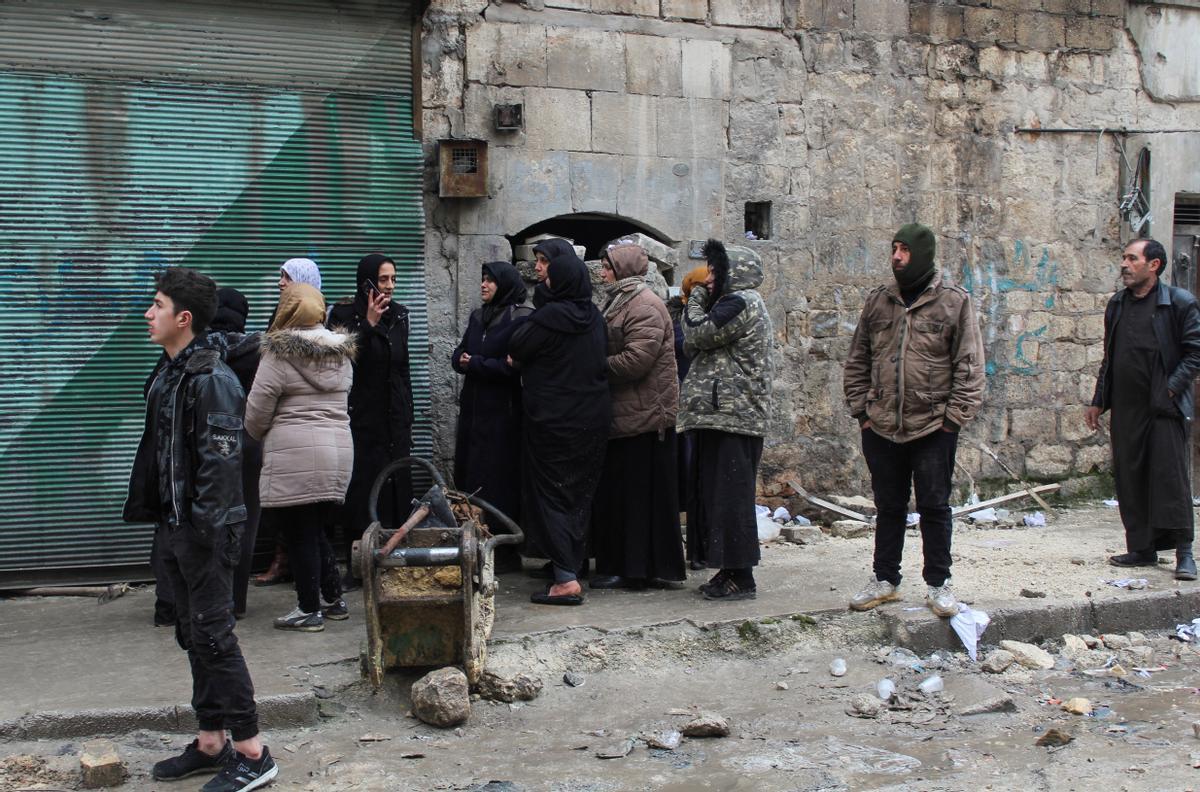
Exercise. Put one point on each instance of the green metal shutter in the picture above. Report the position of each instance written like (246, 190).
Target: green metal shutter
(222, 136)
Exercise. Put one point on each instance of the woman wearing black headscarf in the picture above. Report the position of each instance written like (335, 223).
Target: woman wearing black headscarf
(381, 398)
(560, 352)
(487, 454)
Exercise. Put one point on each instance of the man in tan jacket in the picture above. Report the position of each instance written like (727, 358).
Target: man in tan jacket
(914, 377)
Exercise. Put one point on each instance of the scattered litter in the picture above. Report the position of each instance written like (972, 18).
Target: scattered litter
(1112, 504)
(984, 515)
(886, 688)
(912, 519)
(969, 624)
(372, 737)
(800, 519)
(933, 684)
(1035, 520)
(1053, 738)
(781, 685)
(768, 529)
(838, 667)
(781, 515)
(664, 740)
(1127, 583)
(1188, 632)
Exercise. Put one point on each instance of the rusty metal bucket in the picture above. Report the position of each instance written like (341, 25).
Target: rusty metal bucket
(431, 601)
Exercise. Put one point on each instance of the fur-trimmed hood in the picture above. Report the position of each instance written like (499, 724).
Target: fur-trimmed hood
(318, 353)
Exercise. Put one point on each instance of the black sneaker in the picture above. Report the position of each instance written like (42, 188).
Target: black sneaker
(729, 590)
(191, 762)
(242, 773)
(715, 582)
(336, 610)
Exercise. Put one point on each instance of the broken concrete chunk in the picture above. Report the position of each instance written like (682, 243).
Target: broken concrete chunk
(441, 698)
(1078, 706)
(803, 534)
(664, 740)
(1073, 646)
(1137, 638)
(100, 765)
(1092, 641)
(998, 661)
(864, 706)
(1116, 641)
(849, 529)
(617, 751)
(1138, 655)
(521, 687)
(1053, 738)
(573, 679)
(1028, 655)
(1001, 703)
(707, 724)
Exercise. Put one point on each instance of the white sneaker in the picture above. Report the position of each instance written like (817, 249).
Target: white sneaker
(876, 592)
(300, 621)
(940, 600)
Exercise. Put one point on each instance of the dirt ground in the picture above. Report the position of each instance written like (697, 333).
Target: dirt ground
(771, 681)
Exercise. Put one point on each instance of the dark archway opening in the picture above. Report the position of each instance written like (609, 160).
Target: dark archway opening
(591, 230)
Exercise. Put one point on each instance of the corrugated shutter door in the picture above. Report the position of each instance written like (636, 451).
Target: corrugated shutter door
(222, 136)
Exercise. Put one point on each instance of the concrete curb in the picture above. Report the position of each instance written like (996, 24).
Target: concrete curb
(286, 710)
(921, 632)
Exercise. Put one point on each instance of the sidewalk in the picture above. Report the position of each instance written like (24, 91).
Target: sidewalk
(73, 667)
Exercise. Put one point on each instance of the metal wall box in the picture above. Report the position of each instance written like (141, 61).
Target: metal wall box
(463, 168)
(510, 117)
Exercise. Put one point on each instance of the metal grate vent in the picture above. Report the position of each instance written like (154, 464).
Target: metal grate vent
(1187, 211)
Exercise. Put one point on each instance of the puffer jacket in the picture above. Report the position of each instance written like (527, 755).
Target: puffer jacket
(913, 370)
(298, 407)
(728, 386)
(188, 468)
(641, 350)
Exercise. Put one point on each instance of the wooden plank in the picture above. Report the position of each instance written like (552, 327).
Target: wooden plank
(824, 504)
(1003, 499)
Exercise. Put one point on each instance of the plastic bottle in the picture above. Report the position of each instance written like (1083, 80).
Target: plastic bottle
(932, 685)
(838, 667)
(886, 688)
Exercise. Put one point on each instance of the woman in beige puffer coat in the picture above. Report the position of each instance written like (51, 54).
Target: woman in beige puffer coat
(297, 406)
(635, 514)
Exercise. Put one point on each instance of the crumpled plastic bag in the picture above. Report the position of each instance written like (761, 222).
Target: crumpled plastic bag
(970, 624)
(1035, 520)
(1188, 633)
(1133, 584)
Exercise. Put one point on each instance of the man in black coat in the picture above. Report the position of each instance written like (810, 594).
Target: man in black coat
(187, 480)
(381, 398)
(1151, 357)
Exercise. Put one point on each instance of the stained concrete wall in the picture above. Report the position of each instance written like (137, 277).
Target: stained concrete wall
(852, 118)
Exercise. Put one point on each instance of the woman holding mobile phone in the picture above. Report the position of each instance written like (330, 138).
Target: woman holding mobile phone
(381, 398)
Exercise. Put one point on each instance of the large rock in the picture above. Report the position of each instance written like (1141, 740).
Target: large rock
(521, 687)
(1073, 646)
(998, 661)
(1116, 641)
(100, 765)
(1028, 655)
(803, 534)
(706, 724)
(442, 698)
(850, 529)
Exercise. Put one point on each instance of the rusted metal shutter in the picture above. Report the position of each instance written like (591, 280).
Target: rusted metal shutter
(225, 136)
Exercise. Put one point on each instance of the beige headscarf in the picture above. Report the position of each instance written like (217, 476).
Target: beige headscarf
(300, 306)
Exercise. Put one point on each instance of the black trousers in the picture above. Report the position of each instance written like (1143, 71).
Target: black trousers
(310, 554)
(164, 589)
(928, 464)
(720, 521)
(251, 468)
(202, 577)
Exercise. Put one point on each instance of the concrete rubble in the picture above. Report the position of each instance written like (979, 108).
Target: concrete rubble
(441, 698)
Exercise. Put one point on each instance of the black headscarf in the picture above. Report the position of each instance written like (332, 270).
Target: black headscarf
(232, 310)
(570, 309)
(510, 289)
(714, 252)
(368, 269)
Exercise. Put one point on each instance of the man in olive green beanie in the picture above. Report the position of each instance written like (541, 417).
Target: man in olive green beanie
(914, 377)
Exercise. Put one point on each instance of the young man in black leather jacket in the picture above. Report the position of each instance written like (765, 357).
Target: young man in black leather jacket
(186, 479)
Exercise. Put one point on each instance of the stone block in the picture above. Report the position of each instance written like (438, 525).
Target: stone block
(558, 120)
(937, 22)
(499, 54)
(478, 111)
(685, 9)
(1034, 424)
(707, 69)
(1112, 8)
(1017, 5)
(678, 203)
(1040, 31)
(881, 17)
(987, 25)
(1090, 34)
(1092, 458)
(586, 59)
(1048, 461)
(756, 132)
(747, 13)
(624, 124)
(100, 765)
(850, 529)
(525, 187)
(690, 128)
(595, 181)
(1067, 6)
(1071, 426)
(570, 5)
(653, 65)
(803, 534)
(635, 7)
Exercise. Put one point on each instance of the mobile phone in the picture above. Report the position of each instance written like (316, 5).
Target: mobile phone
(371, 287)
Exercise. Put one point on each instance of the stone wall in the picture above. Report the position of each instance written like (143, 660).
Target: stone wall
(851, 118)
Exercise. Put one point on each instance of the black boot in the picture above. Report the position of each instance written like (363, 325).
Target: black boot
(1185, 565)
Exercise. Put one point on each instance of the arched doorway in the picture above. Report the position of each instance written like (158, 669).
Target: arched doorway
(593, 230)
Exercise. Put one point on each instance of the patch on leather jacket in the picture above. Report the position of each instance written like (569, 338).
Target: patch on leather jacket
(225, 436)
